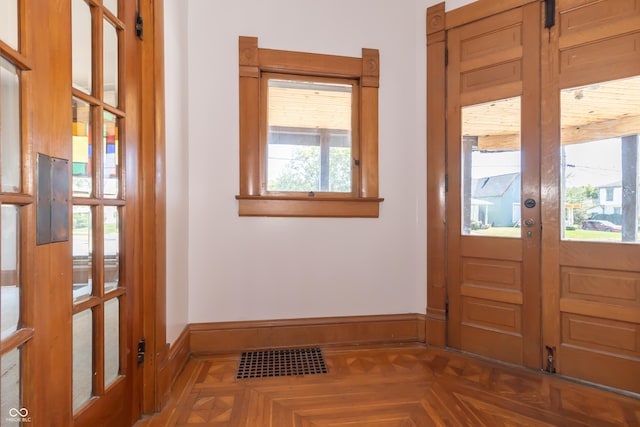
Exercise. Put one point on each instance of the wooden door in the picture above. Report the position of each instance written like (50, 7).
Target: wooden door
(493, 198)
(70, 126)
(580, 165)
(105, 137)
(590, 208)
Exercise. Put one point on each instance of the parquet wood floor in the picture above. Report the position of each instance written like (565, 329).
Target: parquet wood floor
(397, 386)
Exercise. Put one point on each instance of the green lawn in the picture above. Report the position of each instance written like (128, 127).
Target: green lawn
(569, 235)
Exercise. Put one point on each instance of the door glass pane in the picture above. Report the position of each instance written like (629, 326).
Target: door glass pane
(11, 409)
(599, 161)
(112, 5)
(110, 161)
(309, 136)
(491, 169)
(82, 358)
(10, 127)
(9, 22)
(110, 64)
(111, 341)
(10, 259)
(111, 248)
(82, 156)
(81, 46)
(82, 253)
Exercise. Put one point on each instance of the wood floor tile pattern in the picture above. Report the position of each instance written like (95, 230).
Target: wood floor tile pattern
(397, 386)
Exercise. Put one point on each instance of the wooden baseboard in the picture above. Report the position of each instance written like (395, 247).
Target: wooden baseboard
(436, 327)
(227, 337)
(171, 362)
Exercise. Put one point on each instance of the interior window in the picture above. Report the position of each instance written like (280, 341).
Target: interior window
(308, 133)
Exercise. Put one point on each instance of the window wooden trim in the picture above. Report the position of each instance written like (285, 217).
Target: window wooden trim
(253, 199)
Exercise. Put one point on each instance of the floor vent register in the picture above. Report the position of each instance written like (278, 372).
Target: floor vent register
(281, 363)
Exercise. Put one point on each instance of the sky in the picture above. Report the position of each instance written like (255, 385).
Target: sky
(595, 163)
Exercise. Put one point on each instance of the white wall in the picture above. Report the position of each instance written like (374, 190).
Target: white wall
(274, 268)
(177, 166)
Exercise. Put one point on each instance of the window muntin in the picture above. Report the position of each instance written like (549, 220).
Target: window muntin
(309, 134)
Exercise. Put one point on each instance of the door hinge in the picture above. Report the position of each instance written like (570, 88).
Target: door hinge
(446, 310)
(139, 23)
(551, 368)
(549, 13)
(142, 347)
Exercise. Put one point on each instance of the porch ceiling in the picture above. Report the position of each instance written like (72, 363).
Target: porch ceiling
(589, 113)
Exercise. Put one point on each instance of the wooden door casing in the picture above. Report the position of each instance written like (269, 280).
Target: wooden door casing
(493, 282)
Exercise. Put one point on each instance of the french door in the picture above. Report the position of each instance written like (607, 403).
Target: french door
(105, 79)
(70, 136)
(543, 118)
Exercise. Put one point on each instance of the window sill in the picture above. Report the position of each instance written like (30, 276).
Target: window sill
(309, 207)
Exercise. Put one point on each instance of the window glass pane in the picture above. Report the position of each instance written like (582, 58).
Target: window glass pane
(82, 358)
(110, 64)
(309, 136)
(82, 156)
(112, 5)
(111, 248)
(81, 46)
(10, 127)
(491, 168)
(9, 22)
(599, 161)
(82, 253)
(11, 409)
(111, 341)
(110, 160)
(10, 260)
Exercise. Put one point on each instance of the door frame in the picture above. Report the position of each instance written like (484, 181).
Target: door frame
(156, 384)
